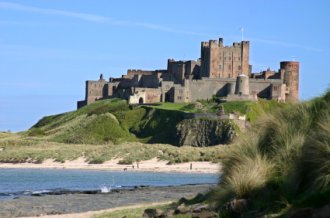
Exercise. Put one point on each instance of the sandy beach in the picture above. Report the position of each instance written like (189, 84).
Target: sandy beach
(153, 165)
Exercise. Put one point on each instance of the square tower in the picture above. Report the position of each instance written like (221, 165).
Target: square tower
(219, 61)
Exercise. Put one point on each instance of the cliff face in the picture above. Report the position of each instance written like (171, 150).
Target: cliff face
(205, 132)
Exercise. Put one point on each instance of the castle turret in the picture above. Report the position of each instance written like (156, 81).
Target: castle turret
(242, 85)
(291, 79)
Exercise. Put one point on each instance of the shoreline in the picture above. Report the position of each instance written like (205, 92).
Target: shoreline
(152, 165)
(87, 205)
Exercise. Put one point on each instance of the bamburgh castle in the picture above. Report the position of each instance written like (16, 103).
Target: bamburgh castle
(224, 71)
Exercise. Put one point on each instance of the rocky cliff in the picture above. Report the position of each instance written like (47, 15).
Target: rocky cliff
(202, 132)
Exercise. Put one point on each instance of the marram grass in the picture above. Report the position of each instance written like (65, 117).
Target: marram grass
(284, 157)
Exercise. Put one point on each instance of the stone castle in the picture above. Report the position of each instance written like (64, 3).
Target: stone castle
(223, 71)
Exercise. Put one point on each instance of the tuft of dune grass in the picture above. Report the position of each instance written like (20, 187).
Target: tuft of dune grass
(284, 157)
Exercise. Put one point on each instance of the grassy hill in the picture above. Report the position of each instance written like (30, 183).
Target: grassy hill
(109, 121)
(112, 128)
(282, 163)
(115, 121)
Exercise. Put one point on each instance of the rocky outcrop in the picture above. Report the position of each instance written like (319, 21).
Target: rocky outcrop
(202, 132)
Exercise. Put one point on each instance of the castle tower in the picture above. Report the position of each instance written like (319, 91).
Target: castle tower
(291, 79)
(219, 61)
(242, 85)
(245, 57)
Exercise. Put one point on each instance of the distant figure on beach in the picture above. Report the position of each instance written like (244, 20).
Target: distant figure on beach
(133, 166)
(190, 166)
(125, 169)
(137, 164)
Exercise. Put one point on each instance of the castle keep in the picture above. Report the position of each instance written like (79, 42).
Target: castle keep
(224, 71)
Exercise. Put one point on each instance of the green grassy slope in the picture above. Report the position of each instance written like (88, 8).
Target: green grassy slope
(93, 124)
(115, 121)
(282, 163)
(109, 121)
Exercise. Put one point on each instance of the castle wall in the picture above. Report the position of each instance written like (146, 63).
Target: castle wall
(176, 69)
(180, 94)
(192, 69)
(132, 73)
(166, 86)
(263, 88)
(206, 88)
(149, 81)
(145, 96)
(126, 83)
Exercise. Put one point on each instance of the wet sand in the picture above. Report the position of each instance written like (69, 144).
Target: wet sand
(79, 203)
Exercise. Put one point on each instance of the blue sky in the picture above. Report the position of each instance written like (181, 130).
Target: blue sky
(48, 48)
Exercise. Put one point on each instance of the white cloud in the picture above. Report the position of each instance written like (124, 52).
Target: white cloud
(91, 18)
(82, 16)
(128, 23)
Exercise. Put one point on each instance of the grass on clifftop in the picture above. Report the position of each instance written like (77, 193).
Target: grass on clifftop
(282, 163)
(31, 149)
(251, 109)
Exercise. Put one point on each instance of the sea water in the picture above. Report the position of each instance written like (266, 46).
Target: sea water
(18, 182)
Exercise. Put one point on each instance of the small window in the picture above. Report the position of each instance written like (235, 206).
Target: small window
(239, 67)
(229, 66)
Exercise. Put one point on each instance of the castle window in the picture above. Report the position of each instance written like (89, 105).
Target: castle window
(229, 66)
(224, 58)
(239, 67)
(230, 58)
(179, 98)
